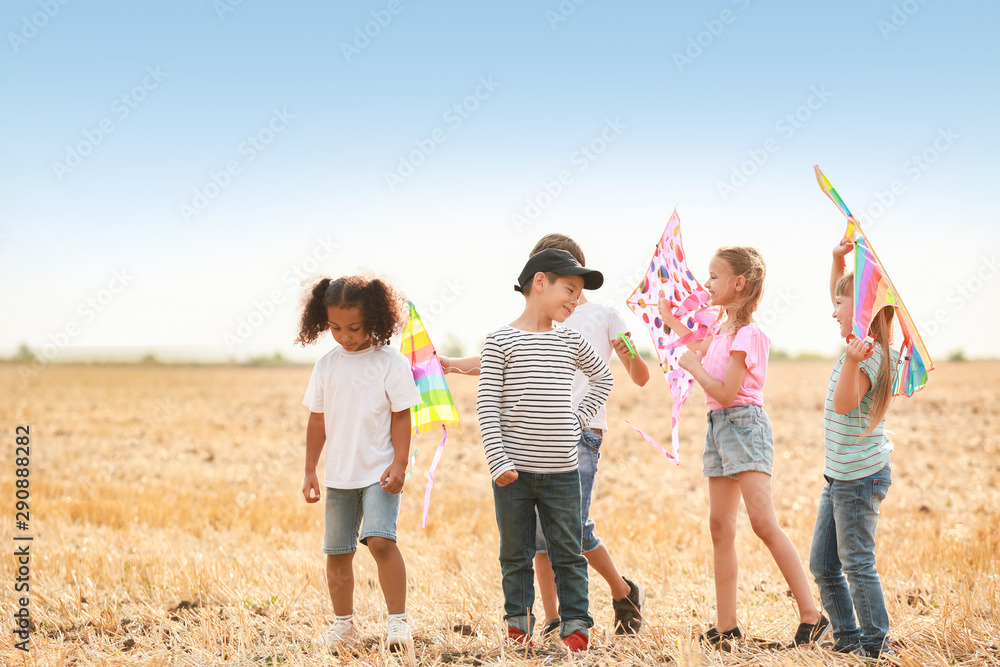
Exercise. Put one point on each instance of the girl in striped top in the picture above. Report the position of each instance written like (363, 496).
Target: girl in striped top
(858, 475)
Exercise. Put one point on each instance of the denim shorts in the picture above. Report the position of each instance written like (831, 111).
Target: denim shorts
(588, 453)
(371, 508)
(739, 439)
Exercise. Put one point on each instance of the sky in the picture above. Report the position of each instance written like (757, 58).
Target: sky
(174, 175)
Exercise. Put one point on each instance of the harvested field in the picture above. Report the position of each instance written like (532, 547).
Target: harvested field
(169, 527)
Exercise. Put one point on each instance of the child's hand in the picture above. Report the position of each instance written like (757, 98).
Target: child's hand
(310, 488)
(446, 364)
(858, 350)
(841, 249)
(392, 478)
(666, 309)
(506, 478)
(621, 348)
(690, 360)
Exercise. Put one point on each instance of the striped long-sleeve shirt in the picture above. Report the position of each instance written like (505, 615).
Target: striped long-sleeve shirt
(525, 400)
(848, 455)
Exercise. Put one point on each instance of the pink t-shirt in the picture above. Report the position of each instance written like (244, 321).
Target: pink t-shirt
(749, 339)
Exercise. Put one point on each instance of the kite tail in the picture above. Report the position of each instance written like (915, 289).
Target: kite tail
(430, 475)
(672, 458)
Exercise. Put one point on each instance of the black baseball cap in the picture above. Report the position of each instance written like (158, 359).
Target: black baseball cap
(553, 260)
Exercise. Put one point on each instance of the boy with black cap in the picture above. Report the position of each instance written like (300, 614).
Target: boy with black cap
(530, 433)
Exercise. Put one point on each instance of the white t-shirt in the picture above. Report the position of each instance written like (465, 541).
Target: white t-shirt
(598, 324)
(357, 392)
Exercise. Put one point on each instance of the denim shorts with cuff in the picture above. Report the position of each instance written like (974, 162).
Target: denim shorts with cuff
(739, 439)
(372, 509)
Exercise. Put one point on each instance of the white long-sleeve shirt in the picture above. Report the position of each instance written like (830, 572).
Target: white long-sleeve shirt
(525, 399)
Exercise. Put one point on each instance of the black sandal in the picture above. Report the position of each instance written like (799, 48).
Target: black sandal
(721, 640)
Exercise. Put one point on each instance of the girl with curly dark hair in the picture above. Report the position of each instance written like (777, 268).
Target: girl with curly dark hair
(359, 398)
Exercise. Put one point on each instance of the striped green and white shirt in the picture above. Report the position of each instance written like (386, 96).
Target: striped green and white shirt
(848, 455)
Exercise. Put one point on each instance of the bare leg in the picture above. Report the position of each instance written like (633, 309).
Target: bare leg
(340, 582)
(391, 572)
(723, 501)
(600, 559)
(547, 586)
(756, 489)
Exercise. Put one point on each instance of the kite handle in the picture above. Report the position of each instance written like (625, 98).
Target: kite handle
(628, 344)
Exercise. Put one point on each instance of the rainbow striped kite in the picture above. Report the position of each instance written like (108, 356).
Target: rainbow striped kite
(873, 291)
(668, 273)
(437, 409)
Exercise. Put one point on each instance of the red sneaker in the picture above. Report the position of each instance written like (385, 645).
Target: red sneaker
(576, 642)
(518, 637)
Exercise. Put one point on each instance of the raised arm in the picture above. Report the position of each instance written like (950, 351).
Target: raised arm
(839, 265)
(852, 383)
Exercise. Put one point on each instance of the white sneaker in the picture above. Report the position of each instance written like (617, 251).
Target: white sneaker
(341, 631)
(398, 636)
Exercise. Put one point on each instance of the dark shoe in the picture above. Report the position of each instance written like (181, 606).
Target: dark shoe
(628, 610)
(551, 628)
(886, 653)
(854, 649)
(812, 633)
(724, 641)
(576, 642)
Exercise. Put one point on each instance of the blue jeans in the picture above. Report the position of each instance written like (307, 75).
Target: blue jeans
(842, 560)
(588, 452)
(557, 499)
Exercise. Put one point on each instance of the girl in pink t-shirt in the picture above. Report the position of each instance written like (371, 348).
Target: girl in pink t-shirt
(731, 366)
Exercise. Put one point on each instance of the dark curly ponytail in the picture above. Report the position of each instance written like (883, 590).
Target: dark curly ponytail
(381, 305)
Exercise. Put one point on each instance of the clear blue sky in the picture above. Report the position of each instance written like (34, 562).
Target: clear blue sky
(169, 170)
